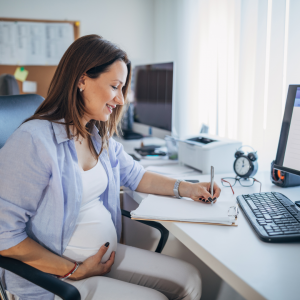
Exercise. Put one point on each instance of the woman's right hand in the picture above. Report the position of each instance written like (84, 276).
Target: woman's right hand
(92, 266)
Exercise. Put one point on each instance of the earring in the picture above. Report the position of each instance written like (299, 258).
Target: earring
(80, 90)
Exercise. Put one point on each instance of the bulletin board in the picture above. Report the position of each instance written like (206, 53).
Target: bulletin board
(39, 72)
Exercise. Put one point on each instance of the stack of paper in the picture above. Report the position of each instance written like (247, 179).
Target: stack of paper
(171, 170)
(172, 209)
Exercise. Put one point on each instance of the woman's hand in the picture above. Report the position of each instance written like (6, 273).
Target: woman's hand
(199, 191)
(92, 266)
(157, 184)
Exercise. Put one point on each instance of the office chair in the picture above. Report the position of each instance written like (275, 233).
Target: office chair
(8, 85)
(13, 111)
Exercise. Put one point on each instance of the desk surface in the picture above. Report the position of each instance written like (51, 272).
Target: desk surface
(257, 270)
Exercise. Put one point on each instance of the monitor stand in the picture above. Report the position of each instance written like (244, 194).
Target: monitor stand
(131, 135)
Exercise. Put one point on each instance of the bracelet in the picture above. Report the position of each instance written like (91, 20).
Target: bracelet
(76, 266)
(176, 188)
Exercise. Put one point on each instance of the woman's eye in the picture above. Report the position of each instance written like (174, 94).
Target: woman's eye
(114, 87)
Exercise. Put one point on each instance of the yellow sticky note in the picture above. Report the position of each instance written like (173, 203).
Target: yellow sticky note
(21, 74)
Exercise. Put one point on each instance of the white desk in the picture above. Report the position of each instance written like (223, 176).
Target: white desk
(257, 270)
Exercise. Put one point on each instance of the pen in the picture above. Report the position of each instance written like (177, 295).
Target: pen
(196, 181)
(212, 174)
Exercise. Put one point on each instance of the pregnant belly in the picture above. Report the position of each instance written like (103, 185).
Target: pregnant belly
(93, 229)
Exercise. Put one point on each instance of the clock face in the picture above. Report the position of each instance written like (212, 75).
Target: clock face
(242, 166)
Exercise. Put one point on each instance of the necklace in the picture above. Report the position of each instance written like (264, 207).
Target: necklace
(77, 138)
(80, 141)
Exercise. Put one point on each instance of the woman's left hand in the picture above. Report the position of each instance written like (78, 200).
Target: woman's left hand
(199, 191)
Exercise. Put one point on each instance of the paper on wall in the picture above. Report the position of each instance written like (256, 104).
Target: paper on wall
(21, 74)
(34, 43)
(29, 87)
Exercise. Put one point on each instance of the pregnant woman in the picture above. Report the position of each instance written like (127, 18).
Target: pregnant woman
(60, 177)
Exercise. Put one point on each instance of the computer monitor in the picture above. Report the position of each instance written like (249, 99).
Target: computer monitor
(288, 152)
(152, 86)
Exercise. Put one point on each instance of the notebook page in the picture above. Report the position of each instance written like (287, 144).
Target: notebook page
(170, 208)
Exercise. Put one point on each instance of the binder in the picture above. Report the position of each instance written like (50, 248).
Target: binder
(170, 209)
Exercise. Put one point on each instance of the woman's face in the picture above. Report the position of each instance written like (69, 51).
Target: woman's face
(101, 95)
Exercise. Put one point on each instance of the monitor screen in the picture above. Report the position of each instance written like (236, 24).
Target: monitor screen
(152, 86)
(288, 153)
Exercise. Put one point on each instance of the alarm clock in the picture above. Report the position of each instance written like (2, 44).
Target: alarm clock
(245, 164)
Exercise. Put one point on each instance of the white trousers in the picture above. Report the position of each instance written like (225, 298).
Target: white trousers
(140, 274)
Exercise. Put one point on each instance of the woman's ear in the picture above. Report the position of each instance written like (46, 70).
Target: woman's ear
(81, 82)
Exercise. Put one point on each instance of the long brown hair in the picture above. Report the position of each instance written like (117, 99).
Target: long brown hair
(90, 55)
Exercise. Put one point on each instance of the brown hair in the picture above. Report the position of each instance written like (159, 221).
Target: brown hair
(90, 55)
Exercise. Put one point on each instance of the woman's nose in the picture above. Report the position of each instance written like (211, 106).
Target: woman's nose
(120, 98)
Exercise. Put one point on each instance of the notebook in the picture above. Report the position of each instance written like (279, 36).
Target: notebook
(161, 208)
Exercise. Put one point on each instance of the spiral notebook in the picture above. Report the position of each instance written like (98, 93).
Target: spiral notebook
(161, 208)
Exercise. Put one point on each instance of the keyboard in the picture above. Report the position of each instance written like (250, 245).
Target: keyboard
(273, 216)
(130, 135)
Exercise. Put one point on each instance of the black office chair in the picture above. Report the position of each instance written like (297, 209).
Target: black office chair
(13, 111)
(8, 85)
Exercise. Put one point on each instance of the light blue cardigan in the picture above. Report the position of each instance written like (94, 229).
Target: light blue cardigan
(41, 191)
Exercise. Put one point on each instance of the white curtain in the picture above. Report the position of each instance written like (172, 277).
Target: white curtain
(207, 66)
(219, 22)
(268, 63)
(234, 61)
(243, 55)
(261, 75)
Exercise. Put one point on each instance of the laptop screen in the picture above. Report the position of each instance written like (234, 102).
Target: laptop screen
(288, 153)
(292, 153)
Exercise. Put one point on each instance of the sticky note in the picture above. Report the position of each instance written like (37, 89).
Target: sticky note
(77, 23)
(29, 86)
(21, 74)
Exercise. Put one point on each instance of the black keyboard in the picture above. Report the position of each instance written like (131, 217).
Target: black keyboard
(274, 217)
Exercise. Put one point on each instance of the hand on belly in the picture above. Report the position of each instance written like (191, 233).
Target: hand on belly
(93, 266)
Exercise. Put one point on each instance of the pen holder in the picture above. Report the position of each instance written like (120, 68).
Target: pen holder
(172, 147)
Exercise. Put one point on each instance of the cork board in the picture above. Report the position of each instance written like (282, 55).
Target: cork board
(41, 74)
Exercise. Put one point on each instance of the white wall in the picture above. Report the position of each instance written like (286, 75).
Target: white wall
(127, 23)
(165, 30)
(175, 29)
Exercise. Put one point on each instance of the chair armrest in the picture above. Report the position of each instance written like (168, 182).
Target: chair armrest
(163, 231)
(46, 281)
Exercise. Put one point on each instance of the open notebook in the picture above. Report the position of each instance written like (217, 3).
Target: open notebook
(161, 208)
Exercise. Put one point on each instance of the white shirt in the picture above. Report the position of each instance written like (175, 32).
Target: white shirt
(94, 226)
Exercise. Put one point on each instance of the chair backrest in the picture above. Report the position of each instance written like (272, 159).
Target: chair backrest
(14, 110)
(8, 85)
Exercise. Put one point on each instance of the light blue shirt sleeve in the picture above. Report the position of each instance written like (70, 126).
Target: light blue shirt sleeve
(23, 179)
(131, 172)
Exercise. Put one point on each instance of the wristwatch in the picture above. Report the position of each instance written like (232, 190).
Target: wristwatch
(175, 189)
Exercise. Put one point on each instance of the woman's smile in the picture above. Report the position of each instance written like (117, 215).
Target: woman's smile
(110, 108)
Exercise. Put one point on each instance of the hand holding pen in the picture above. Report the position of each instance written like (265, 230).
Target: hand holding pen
(200, 191)
(213, 189)
(206, 192)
